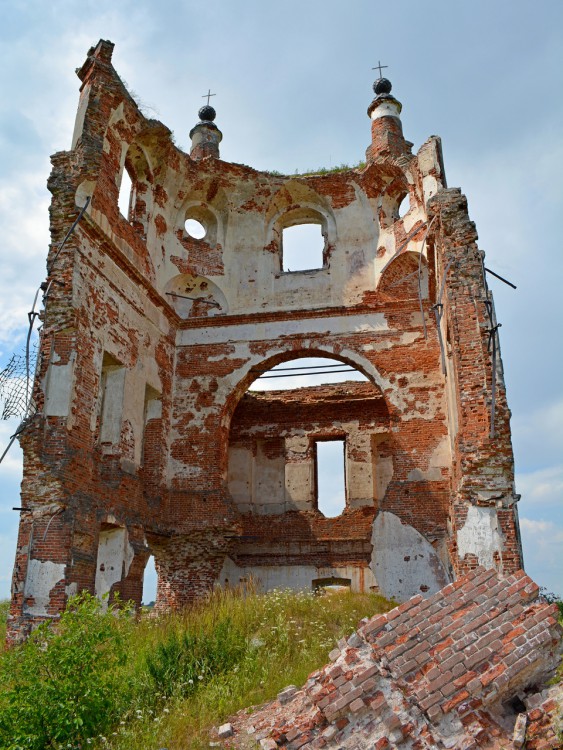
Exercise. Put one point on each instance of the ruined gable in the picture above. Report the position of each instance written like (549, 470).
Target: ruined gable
(144, 441)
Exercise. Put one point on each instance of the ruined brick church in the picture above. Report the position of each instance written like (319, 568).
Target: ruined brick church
(146, 439)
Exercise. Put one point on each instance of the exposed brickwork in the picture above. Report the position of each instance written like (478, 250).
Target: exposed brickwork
(151, 338)
(438, 672)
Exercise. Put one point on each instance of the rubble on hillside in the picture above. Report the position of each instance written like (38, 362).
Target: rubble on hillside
(461, 669)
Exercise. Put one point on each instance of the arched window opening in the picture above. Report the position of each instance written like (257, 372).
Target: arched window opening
(150, 581)
(302, 439)
(303, 372)
(195, 229)
(404, 206)
(330, 475)
(135, 196)
(112, 564)
(303, 247)
(126, 199)
(405, 277)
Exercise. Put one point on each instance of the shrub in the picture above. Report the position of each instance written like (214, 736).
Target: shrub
(63, 685)
(552, 598)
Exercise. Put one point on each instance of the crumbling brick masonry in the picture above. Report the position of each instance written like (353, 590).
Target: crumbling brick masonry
(144, 441)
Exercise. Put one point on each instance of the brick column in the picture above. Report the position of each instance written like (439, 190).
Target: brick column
(187, 567)
(484, 521)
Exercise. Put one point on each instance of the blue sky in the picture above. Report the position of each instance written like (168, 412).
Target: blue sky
(293, 81)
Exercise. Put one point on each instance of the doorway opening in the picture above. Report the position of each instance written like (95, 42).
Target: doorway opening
(150, 581)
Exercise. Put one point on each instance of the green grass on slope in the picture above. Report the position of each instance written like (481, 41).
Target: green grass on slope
(250, 647)
(105, 681)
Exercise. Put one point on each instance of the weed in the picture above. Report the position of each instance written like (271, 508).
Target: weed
(4, 609)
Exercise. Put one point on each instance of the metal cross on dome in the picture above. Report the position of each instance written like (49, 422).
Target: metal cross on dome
(209, 95)
(379, 67)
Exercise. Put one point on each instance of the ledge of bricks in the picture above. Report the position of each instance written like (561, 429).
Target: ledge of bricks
(453, 670)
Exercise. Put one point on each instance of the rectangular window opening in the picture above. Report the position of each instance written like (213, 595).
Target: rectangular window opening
(110, 562)
(112, 388)
(330, 474)
(152, 410)
(302, 247)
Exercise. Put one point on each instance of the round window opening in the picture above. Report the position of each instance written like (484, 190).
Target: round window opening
(195, 229)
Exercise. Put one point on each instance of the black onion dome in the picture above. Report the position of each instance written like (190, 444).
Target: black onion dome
(382, 86)
(207, 113)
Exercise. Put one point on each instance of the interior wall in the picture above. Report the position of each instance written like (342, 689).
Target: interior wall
(272, 452)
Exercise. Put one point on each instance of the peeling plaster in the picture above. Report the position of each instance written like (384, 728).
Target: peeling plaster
(42, 577)
(115, 555)
(403, 561)
(480, 535)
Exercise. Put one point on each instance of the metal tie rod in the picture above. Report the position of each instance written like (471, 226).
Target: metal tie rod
(488, 270)
(300, 374)
(303, 367)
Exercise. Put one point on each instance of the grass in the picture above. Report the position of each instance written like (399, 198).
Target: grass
(330, 170)
(275, 640)
(183, 673)
(321, 170)
(4, 609)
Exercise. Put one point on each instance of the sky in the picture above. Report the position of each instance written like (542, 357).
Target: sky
(293, 82)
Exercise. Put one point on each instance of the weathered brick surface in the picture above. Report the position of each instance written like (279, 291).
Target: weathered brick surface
(151, 338)
(379, 700)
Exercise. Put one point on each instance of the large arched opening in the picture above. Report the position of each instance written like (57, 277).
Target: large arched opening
(309, 457)
(304, 436)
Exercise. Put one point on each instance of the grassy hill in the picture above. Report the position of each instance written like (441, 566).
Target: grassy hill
(122, 681)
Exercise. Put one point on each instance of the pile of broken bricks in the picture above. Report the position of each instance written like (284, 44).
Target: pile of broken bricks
(461, 669)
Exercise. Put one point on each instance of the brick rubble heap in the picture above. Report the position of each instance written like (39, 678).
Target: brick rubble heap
(455, 670)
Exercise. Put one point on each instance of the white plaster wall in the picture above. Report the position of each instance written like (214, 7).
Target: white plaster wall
(41, 579)
(269, 485)
(480, 535)
(403, 561)
(383, 467)
(294, 577)
(360, 490)
(299, 474)
(240, 476)
(115, 556)
(58, 387)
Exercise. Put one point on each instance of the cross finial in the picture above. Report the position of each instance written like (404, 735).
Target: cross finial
(209, 95)
(379, 67)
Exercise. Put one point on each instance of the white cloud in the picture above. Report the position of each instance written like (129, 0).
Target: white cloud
(540, 528)
(543, 552)
(544, 486)
(537, 434)
(11, 466)
(25, 237)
